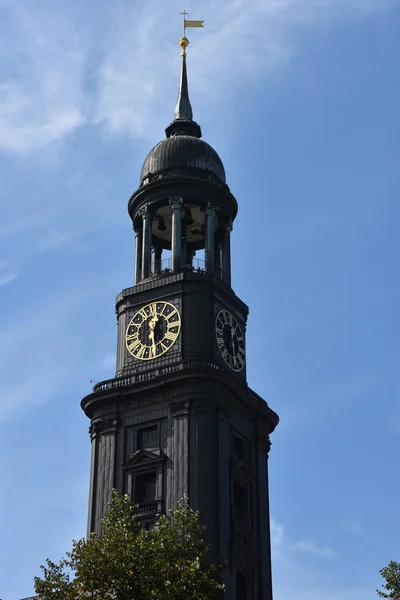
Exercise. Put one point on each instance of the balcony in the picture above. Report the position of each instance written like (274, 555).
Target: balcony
(117, 382)
(150, 508)
(163, 268)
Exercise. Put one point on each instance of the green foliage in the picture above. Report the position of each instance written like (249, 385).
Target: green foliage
(129, 563)
(391, 574)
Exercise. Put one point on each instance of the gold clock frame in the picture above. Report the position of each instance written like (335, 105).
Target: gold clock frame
(151, 313)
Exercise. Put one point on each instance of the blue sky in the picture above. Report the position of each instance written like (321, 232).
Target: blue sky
(300, 98)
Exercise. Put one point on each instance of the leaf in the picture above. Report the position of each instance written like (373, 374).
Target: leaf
(391, 574)
(129, 563)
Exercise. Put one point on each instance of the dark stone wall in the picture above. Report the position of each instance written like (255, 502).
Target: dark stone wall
(212, 430)
(198, 413)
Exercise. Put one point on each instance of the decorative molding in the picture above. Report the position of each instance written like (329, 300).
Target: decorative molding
(102, 426)
(206, 403)
(228, 225)
(145, 212)
(175, 202)
(144, 460)
(210, 210)
(268, 448)
(145, 401)
(102, 412)
(179, 407)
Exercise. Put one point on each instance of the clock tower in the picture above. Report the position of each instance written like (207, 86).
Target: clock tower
(178, 418)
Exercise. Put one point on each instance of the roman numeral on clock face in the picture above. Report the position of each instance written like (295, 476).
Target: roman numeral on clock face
(240, 361)
(230, 340)
(153, 330)
(133, 346)
(153, 309)
(132, 337)
(169, 336)
(141, 352)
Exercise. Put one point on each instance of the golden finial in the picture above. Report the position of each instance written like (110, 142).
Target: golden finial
(184, 42)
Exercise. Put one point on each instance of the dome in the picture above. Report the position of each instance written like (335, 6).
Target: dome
(182, 152)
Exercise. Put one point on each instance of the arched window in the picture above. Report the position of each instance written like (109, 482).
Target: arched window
(241, 586)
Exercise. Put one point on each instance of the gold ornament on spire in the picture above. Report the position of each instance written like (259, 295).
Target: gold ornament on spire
(184, 42)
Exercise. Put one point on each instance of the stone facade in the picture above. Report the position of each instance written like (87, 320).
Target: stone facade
(178, 418)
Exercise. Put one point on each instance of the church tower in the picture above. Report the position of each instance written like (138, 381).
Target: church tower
(178, 418)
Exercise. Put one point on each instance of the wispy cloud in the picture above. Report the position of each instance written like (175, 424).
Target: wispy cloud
(240, 44)
(354, 526)
(314, 548)
(53, 237)
(288, 547)
(51, 87)
(41, 92)
(277, 538)
(7, 273)
(306, 561)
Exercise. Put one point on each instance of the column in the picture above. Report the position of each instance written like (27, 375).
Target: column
(218, 259)
(226, 252)
(209, 212)
(146, 242)
(190, 255)
(138, 256)
(176, 204)
(185, 262)
(157, 254)
(94, 437)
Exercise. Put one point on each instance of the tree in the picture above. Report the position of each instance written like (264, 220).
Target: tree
(129, 563)
(391, 574)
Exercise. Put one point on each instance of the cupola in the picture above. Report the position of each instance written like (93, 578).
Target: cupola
(183, 203)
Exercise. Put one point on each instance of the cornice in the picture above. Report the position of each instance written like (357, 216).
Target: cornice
(190, 374)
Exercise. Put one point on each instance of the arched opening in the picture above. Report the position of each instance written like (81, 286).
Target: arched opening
(241, 586)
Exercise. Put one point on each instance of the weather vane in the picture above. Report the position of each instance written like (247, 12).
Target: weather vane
(184, 42)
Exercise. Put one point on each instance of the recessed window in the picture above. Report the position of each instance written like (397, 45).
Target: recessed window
(145, 488)
(241, 586)
(147, 437)
(239, 497)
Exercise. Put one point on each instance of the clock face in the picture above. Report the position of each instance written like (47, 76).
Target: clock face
(153, 330)
(230, 340)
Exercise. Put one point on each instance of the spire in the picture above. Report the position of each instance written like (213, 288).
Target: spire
(183, 123)
(183, 108)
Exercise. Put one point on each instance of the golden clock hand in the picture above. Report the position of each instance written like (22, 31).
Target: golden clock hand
(153, 345)
(152, 325)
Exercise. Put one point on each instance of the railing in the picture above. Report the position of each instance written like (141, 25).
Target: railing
(117, 382)
(149, 508)
(149, 375)
(163, 268)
